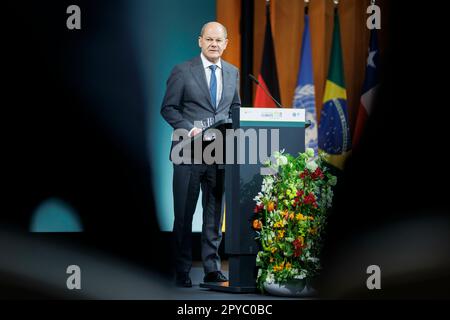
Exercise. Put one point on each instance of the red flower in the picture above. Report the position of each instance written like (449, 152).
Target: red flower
(297, 200)
(310, 199)
(258, 208)
(298, 252)
(317, 174)
(298, 246)
(303, 174)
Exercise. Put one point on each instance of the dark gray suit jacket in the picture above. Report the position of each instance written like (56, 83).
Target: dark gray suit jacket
(187, 97)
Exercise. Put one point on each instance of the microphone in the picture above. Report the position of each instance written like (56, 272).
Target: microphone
(264, 89)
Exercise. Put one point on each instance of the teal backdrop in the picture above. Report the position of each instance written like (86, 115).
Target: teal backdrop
(165, 34)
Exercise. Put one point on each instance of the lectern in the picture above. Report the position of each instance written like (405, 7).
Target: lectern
(260, 127)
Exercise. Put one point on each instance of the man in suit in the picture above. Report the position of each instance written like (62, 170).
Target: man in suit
(205, 87)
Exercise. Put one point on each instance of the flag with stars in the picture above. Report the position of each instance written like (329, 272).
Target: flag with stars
(370, 88)
(334, 130)
(304, 96)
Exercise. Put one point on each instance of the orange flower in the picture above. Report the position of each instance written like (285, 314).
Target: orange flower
(270, 206)
(257, 224)
(277, 268)
(311, 218)
(280, 234)
(299, 217)
(285, 214)
(291, 216)
(288, 266)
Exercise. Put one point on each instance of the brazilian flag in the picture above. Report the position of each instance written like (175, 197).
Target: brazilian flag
(334, 129)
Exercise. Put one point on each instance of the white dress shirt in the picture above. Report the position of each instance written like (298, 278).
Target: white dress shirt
(206, 64)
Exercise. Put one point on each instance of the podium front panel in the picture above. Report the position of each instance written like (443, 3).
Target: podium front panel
(243, 181)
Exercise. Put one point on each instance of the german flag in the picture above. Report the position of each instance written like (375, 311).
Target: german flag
(268, 77)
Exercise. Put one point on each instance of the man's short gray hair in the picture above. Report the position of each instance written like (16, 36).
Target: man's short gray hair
(206, 24)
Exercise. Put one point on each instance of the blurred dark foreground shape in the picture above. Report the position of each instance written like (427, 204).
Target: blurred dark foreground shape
(391, 206)
(75, 130)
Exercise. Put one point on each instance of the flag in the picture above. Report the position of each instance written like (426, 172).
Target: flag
(268, 76)
(334, 131)
(304, 96)
(370, 88)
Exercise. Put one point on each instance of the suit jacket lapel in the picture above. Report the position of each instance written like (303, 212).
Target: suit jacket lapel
(226, 83)
(199, 76)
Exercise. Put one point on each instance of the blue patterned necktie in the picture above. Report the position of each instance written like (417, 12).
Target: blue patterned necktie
(213, 85)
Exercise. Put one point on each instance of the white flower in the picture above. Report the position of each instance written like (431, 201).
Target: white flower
(267, 184)
(270, 278)
(258, 198)
(310, 152)
(268, 180)
(282, 160)
(311, 166)
(312, 259)
(300, 276)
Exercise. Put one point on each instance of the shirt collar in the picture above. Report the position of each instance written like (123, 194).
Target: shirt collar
(207, 63)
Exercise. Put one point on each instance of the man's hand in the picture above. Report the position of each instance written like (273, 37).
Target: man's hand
(194, 132)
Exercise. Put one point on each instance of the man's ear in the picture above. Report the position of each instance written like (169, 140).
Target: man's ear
(199, 41)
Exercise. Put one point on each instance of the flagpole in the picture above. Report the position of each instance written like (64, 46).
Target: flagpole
(336, 3)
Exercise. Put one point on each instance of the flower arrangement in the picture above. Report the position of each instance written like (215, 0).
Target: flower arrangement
(290, 216)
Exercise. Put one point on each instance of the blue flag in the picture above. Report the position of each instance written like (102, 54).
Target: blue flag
(304, 96)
